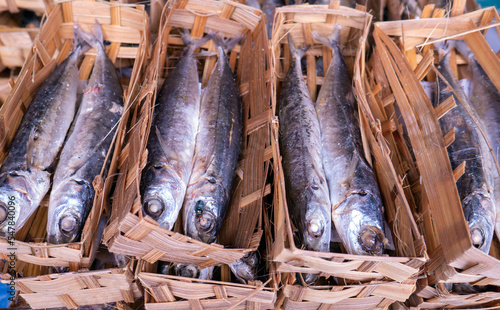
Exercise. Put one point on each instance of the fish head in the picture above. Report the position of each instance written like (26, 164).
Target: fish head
(187, 270)
(316, 232)
(205, 208)
(18, 200)
(363, 234)
(159, 203)
(479, 213)
(245, 269)
(69, 206)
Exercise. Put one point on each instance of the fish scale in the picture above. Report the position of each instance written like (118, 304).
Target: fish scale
(356, 205)
(30, 159)
(172, 140)
(475, 186)
(216, 153)
(305, 180)
(84, 152)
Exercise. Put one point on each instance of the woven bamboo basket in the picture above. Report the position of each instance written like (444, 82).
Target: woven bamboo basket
(15, 45)
(133, 234)
(73, 290)
(453, 258)
(14, 6)
(170, 292)
(127, 29)
(378, 281)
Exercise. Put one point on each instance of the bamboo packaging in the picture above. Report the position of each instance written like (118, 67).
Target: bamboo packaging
(453, 258)
(126, 27)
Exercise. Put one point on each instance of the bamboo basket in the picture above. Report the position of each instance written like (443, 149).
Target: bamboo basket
(170, 292)
(127, 29)
(15, 45)
(130, 232)
(14, 6)
(453, 258)
(377, 281)
(73, 290)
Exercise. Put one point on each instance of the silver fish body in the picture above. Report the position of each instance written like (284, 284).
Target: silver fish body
(300, 145)
(84, 152)
(30, 159)
(216, 154)
(172, 141)
(356, 205)
(475, 186)
(269, 8)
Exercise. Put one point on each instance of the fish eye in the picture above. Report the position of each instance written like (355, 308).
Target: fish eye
(158, 166)
(153, 207)
(68, 223)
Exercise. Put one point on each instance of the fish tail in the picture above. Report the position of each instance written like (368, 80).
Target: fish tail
(332, 41)
(298, 52)
(464, 49)
(93, 39)
(226, 44)
(191, 42)
(444, 49)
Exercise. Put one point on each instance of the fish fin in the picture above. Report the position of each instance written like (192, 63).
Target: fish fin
(205, 54)
(97, 31)
(298, 52)
(332, 40)
(162, 142)
(30, 148)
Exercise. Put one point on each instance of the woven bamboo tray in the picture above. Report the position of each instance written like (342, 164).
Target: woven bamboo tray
(37, 6)
(132, 234)
(72, 290)
(127, 29)
(374, 278)
(453, 258)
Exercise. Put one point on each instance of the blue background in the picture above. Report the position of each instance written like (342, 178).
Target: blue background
(4, 289)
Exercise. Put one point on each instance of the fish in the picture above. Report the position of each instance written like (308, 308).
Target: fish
(32, 154)
(355, 202)
(245, 269)
(476, 185)
(217, 149)
(172, 139)
(84, 153)
(300, 146)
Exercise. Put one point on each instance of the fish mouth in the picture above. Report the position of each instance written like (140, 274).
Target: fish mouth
(187, 270)
(3, 212)
(371, 239)
(315, 227)
(205, 219)
(477, 237)
(153, 206)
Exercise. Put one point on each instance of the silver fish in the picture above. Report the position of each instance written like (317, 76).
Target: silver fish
(300, 144)
(356, 205)
(84, 152)
(172, 140)
(216, 153)
(30, 160)
(476, 184)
